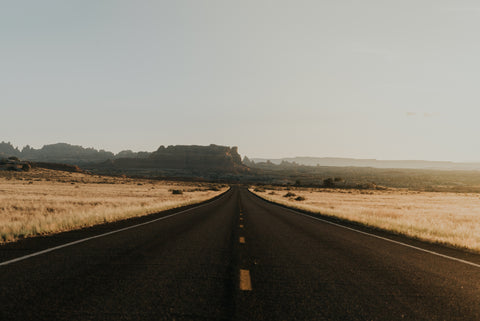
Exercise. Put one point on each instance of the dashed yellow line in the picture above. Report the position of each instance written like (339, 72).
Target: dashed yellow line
(242, 240)
(241, 218)
(245, 282)
(241, 225)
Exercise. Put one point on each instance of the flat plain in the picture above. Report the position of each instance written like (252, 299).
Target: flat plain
(446, 218)
(41, 201)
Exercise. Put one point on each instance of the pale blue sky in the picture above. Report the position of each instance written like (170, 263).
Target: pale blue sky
(365, 79)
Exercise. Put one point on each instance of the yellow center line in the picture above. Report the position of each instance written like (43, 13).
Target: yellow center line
(242, 239)
(241, 225)
(241, 218)
(245, 282)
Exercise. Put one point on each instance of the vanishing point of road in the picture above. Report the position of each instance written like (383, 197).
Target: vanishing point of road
(236, 257)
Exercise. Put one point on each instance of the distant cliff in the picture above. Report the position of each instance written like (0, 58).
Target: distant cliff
(62, 153)
(187, 158)
(65, 153)
(7, 150)
(172, 159)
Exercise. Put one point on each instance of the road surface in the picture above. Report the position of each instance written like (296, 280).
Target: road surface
(235, 258)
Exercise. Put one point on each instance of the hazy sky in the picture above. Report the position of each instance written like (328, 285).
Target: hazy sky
(366, 79)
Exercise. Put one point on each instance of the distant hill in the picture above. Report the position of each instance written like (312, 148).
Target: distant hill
(352, 162)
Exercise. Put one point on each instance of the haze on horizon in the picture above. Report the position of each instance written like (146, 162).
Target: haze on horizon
(361, 79)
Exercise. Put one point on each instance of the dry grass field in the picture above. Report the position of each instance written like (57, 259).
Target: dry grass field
(43, 201)
(440, 217)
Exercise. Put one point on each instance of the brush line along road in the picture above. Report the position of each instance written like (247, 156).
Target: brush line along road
(235, 258)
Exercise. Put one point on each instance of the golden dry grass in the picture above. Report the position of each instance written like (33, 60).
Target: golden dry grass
(44, 201)
(447, 218)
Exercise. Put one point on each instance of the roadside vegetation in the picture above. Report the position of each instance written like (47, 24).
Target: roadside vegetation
(42, 201)
(441, 217)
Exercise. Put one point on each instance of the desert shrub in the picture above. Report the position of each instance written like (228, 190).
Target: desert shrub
(300, 198)
(177, 192)
(259, 189)
(328, 182)
(272, 193)
(366, 186)
(289, 194)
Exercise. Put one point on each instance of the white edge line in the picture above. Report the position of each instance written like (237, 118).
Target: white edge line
(102, 235)
(382, 238)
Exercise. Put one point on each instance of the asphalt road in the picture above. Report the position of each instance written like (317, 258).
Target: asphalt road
(235, 258)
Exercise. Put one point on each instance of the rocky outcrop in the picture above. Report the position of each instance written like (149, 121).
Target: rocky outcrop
(13, 163)
(197, 157)
(65, 153)
(189, 158)
(131, 154)
(7, 150)
(57, 167)
(56, 153)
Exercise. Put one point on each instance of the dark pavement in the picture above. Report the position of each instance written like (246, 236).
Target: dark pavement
(187, 267)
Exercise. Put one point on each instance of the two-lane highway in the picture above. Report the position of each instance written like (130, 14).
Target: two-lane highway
(236, 258)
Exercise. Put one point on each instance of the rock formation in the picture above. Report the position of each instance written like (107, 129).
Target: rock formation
(182, 160)
(189, 158)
